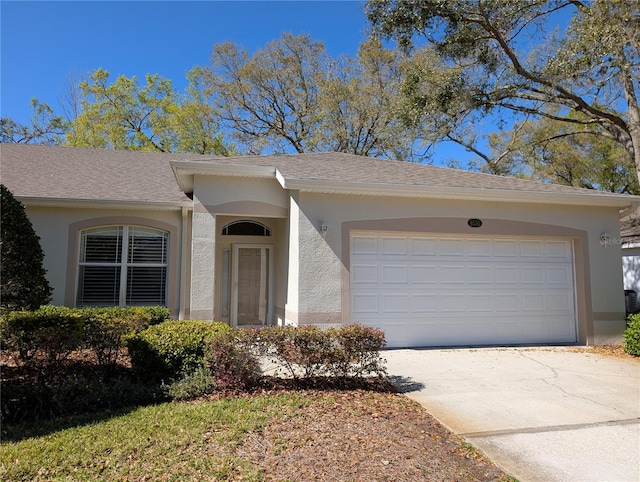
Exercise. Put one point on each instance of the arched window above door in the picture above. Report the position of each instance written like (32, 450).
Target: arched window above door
(246, 228)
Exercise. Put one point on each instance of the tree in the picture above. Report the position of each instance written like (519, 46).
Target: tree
(500, 60)
(23, 284)
(45, 127)
(123, 115)
(551, 151)
(268, 100)
(358, 106)
(151, 117)
(292, 96)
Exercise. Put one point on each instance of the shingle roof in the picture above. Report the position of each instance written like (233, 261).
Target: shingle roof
(90, 174)
(133, 176)
(341, 167)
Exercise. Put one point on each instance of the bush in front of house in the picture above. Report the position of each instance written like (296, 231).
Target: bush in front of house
(47, 335)
(632, 335)
(107, 329)
(73, 393)
(173, 349)
(23, 285)
(307, 352)
(51, 333)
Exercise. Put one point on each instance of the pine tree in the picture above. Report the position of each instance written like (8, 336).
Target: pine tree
(22, 277)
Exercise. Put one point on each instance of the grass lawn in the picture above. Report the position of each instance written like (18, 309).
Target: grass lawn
(171, 441)
(330, 435)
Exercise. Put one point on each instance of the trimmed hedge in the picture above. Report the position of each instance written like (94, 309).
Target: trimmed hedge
(173, 349)
(632, 335)
(306, 352)
(51, 333)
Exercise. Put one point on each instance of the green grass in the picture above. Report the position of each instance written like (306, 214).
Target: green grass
(171, 441)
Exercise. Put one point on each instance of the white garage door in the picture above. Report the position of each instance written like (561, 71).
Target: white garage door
(447, 291)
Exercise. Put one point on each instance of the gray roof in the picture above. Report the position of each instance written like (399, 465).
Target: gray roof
(90, 174)
(341, 167)
(37, 171)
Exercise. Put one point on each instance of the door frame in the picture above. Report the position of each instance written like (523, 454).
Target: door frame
(236, 247)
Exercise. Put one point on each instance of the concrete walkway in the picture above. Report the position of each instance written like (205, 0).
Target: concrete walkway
(541, 414)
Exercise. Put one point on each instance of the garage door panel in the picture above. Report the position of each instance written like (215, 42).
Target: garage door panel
(364, 274)
(423, 246)
(364, 245)
(364, 304)
(395, 274)
(426, 274)
(394, 246)
(440, 290)
(392, 304)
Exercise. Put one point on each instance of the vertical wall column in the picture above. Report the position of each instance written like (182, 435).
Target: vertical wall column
(203, 250)
(291, 306)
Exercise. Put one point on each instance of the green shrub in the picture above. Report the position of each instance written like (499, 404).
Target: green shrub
(23, 285)
(632, 335)
(52, 332)
(106, 329)
(172, 349)
(199, 383)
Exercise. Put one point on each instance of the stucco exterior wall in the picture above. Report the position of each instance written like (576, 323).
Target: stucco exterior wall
(217, 201)
(321, 260)
(59, 231)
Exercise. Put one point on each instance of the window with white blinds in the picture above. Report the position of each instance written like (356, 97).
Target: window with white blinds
(123, 266)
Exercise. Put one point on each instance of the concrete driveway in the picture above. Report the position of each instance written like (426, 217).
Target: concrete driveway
(541, 414)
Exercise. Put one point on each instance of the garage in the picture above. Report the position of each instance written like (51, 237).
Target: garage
(439, 290)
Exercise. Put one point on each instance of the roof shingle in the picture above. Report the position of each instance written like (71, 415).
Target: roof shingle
(132, 176)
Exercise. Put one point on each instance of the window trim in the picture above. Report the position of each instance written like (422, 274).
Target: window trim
(172, 295)
(125, 263)
(266, 229)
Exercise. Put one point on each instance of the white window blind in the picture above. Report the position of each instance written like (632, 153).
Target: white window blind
(123, 266)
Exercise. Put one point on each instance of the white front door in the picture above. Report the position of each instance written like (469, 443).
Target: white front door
(252, 285)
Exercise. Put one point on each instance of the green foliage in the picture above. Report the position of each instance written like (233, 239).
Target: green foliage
(588, 66)
(197, 384)
(632, 335)
(45, 127)
(172, 349)
(23, 285)
(51, 331)
(107, 329)
(126, 115)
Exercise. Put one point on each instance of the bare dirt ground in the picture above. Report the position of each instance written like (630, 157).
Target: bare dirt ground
(364, 435)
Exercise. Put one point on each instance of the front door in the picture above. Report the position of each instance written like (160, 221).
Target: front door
(252, 285)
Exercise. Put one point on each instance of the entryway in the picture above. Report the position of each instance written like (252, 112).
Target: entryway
(252, 285)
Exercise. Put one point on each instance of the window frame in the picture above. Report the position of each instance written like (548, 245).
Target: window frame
(126, 263)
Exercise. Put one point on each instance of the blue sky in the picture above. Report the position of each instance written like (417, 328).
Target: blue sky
(45, 43)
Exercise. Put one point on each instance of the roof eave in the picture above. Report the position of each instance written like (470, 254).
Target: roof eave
(464, 193)
(184, 172)
(103, 203)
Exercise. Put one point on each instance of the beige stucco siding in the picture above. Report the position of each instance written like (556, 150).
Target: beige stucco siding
(218, 201)
(601, 309)
(59, 231)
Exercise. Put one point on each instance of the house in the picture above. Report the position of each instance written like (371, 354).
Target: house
(433, 256)
(630, 245)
